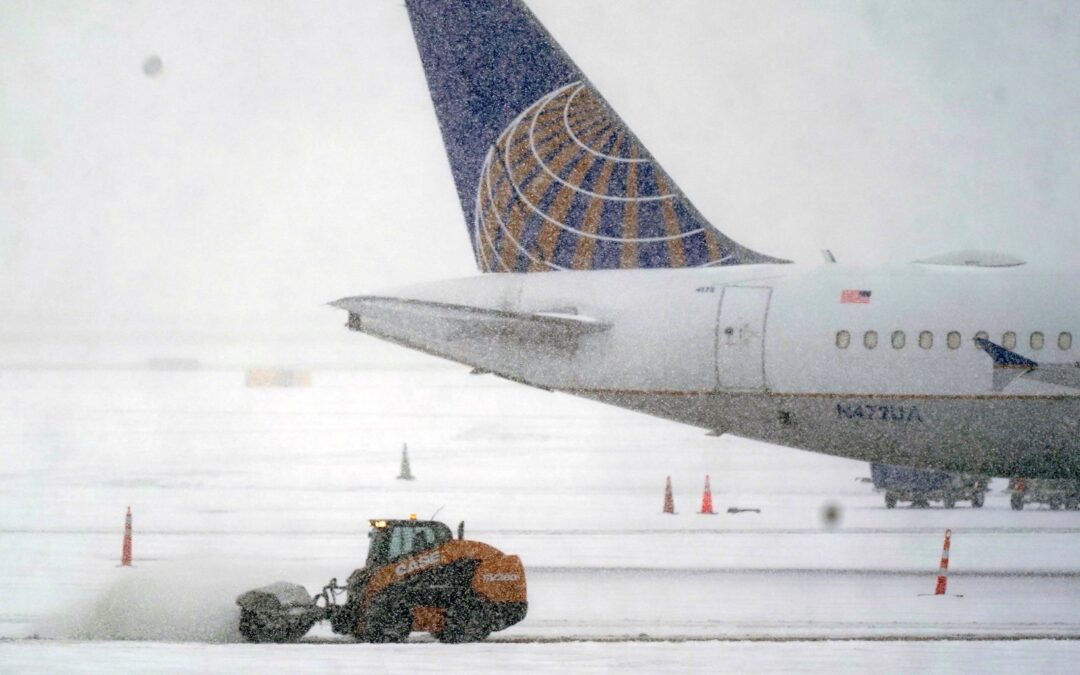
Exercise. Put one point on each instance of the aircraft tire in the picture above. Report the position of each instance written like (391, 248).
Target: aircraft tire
(890, 500)
(950, 502)
(977, 500)
(1017, 502)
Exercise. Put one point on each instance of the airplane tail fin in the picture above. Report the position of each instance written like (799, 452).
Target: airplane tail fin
(548, 175)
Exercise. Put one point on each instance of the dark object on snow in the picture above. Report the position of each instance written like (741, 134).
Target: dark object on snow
(922, 486)
(152, 66)
(732, 509)
(406, 470)
(1054, 492)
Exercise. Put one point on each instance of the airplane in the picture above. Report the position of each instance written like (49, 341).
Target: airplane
(600, 279)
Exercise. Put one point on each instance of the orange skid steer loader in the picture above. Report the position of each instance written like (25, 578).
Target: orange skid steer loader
(417, 578)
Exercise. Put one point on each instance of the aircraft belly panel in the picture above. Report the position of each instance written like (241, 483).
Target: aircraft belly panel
(1025, 437)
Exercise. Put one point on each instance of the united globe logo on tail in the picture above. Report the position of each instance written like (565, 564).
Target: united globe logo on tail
(549, 177)
(566, 186)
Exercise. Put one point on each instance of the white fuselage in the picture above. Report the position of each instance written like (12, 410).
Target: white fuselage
(759, 351)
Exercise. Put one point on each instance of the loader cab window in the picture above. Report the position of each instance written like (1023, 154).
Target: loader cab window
(401, 539)
(405, 540)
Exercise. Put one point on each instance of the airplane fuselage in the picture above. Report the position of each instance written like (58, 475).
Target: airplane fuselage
(878, 365)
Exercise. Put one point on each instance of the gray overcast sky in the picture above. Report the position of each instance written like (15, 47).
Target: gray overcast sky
(287, 154)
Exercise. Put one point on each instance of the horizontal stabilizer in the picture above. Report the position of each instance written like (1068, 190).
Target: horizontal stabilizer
(561, 329)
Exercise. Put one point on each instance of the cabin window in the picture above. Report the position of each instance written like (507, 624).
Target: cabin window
(843, 339)
(953, 340)
(1065, 341)
(1008, 340)
(1037, 340)
(982, 334)
(926, 339)
(898, 339)
(869, 339)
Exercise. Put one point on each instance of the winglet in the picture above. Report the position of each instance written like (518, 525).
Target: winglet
(1003, 358)
(1008, 365)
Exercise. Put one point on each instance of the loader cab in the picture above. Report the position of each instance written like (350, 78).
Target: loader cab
(394, 539)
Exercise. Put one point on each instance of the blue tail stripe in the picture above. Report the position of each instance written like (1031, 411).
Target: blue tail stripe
(695, 249)
(607, 255)
(650, 220)
(653, 254)
(566, 246)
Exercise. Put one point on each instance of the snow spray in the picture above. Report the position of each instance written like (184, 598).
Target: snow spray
(175, 601)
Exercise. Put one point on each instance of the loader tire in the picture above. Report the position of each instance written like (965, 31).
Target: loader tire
(465, 622)
(388, 623)
(950, 502)
(1017, 502)
(977, 500)
(890, 500)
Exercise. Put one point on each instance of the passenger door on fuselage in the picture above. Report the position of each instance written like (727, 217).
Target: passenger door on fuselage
(740, 338)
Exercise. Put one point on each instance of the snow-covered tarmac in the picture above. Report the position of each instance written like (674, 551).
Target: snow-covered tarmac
(234, 487)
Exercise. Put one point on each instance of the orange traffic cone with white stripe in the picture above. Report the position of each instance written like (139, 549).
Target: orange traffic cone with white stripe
(706, 499)
(125, 552)
(943, 571)
(669, 499)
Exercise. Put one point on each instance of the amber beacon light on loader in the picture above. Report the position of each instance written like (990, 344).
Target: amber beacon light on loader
(418, 577)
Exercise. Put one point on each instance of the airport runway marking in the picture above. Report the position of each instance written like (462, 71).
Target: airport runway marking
(959, 637)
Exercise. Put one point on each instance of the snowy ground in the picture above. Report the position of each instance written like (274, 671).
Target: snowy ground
(235, 487)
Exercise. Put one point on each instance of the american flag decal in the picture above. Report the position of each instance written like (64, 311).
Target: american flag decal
(860, 297)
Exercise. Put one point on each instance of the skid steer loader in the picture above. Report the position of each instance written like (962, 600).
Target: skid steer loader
(418, 577)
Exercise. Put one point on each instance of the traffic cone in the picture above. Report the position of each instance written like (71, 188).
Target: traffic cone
(942, 579)
(669, 499)
(406, 472)
(706, 499)
(125, 554)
